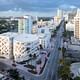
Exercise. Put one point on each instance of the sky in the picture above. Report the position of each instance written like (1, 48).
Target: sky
(37, 5)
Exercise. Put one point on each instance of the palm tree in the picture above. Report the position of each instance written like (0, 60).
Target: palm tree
(14, 74)
(64, 72)
(39, 61)
(41, 47)
(61, 62)
(34, 56)
(30, 55)
(59, 48)
(63, 51)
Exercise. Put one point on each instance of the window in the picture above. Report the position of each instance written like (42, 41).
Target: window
(42, 31)
(28, 43)
(2, 53)
(27, 48)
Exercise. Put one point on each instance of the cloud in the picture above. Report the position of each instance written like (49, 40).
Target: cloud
(72, 7)
(67, 6)
(36, 5)
(6, 2)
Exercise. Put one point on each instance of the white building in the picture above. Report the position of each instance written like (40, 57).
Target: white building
(75, 41)
(43, 40)
(25, 24)
(57, 20)
(24, 45)
(74, 47)
(75, 69)
(60, 13)
(66, 17)
(44, 30)
(6, 44)
(44, 36)
(77, 25)
(2, 77)
(34, 29)
(70, 26)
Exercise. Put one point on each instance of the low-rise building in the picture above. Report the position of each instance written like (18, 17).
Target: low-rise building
(6, 44)
(75, 69)
(44, 30)
(2, 77)
(44, 36)
(57, 20)
(44, 40)
(70, 26)
(75, 41)
(24, 45)
(74, 47)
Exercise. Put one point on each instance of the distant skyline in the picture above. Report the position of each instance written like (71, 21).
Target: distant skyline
(37, 5)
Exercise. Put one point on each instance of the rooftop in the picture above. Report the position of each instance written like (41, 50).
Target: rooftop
(26, 37)
(9, 34)
(41, 35)
(75, 69)
(1, 75)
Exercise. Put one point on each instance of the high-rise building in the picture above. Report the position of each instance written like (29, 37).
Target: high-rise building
(77, 25)
(25, 24)
(6, 44)
(60, 13)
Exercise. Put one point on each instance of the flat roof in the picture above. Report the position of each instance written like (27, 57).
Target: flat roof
(41, 35)
(1, 75)
(9, 34)
(75, 68)
(26, 37)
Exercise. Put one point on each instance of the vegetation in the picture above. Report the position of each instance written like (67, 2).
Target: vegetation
(44, 18)
(30, 66)
(59, 48)
(31, 56)
(7, 25)
(64, 34)
(34, 56)
(39, 61)
(63, 51)
(64, 72)
(14, 74)
(41, 47)
(77, 78)
(67, 34)
(34, 22)
(34, 72)
(64, 69)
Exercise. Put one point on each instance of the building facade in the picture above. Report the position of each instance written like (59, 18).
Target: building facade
(25, 24)
(60, 13)
(6, 45)
(24, 45)
(70, 26)
(77, 25)
(44, 36)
